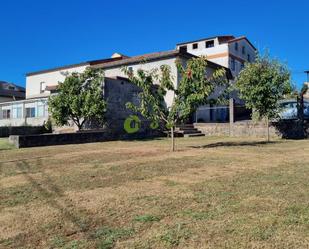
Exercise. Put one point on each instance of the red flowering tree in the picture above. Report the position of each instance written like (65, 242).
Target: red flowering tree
(193, 90)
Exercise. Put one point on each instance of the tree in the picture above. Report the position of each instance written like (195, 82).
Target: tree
(261, 85)
(79, 98)
(193, 90)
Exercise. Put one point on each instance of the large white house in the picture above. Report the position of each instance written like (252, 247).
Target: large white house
(228, 51)
(39, 85)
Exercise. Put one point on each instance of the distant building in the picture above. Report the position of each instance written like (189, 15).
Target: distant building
(228, 51)
(307, 93)
(11, 92)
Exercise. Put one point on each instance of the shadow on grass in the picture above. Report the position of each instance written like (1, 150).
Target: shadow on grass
(50, 192)
(234, 144)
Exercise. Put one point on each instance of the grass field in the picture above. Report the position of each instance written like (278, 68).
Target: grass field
(211, 193)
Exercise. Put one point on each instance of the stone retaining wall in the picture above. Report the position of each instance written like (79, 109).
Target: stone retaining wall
(7, 131)
(284, 129)
(24, 141)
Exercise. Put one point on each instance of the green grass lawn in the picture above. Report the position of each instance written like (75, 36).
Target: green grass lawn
(211, 193)
(4, 144)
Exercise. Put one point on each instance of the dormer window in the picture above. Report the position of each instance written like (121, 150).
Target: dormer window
(236, 46)
(194, 45)
(210, 44)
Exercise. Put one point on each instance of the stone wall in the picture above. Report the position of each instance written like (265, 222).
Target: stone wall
(238, 129)
(7, 131)
(24, 141)
(290, 129)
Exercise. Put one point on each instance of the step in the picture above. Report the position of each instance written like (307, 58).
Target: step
(187, 130)
(194, 135)
(183, 126)
(191, 132)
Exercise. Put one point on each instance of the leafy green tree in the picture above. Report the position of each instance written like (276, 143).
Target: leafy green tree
(261, 85)
(79, 98)
(193, 90)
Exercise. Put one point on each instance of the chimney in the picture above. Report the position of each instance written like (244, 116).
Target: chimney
(118, 56)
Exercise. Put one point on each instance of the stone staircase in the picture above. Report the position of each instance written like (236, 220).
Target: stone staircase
(187, 130)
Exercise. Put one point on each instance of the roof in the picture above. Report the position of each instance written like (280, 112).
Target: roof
(158, 56)
(86, 63)
(221, 37)
(242, 38)
(147, 57)
(8, 89)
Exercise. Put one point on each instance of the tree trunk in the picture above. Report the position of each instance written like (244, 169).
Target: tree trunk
(173, 139)
(267, 124)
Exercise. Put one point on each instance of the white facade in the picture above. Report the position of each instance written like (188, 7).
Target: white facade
(229, 52)
(36, 83)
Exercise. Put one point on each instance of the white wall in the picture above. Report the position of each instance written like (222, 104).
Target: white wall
(113, 72)
(33, 82)
(202, 50)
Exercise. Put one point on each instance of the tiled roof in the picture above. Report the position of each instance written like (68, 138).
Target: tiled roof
(146, 57)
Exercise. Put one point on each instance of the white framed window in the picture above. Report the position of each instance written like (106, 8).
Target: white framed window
(17, 112)
(41, 110)
(42, 87)
(30, 112)
(6, 114)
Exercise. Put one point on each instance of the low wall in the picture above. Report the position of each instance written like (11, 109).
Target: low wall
(238, 129)
(7, 131)
(24, 141)
(285, 129)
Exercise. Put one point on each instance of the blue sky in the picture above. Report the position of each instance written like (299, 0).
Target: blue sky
(41, 34)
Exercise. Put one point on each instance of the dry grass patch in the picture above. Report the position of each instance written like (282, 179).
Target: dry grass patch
(211, 193)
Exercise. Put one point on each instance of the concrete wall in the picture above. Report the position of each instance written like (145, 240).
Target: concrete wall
(22, 130)
(33, 82)
(24, 141)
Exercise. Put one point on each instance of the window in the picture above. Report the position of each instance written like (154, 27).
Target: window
(194, 45)
(30, 112)
(233, 64)
(242, 66)
(6, 114)
(40, 110)
(17, 112)
(243, 50)
(248, 58)
(42, 87)
(210, 44)
(183, 48)
(236, 46)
